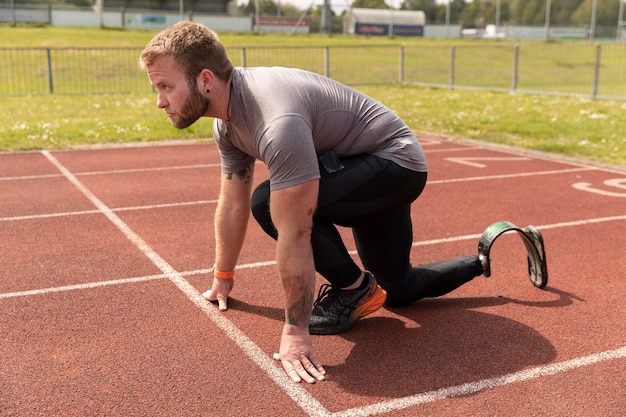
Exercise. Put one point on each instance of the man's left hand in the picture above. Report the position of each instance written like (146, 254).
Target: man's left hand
(219, 292)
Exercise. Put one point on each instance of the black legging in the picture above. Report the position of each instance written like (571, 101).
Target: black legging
(372, 196)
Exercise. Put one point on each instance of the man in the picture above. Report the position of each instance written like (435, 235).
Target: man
(335, 157)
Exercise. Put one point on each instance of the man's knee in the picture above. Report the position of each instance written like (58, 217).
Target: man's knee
(260, 207)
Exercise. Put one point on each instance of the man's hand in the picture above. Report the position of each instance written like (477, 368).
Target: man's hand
(219, 292)
(296, 355)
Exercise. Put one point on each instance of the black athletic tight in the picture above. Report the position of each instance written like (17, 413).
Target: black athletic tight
(372, 196)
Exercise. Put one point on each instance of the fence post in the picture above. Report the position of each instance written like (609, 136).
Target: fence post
(327, 61)
(243, 57)
(401, 69)
(452, 59)
(49, 60)
(596, 73)
(515, 67)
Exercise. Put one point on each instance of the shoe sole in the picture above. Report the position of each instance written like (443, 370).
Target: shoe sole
(374, 303)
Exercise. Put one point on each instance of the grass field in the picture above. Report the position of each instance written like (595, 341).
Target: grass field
(579, 127)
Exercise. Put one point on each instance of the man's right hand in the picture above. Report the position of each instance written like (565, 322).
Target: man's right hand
(219, 292)
(296, 355)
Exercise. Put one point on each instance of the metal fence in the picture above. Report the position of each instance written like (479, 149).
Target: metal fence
(578, 68)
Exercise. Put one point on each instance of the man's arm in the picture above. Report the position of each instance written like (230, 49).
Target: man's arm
(231, 221)
(292, 211)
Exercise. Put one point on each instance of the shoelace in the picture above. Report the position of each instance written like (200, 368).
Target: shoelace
(323, 293)
(326, 298)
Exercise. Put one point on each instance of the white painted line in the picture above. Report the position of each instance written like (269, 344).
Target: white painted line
(471, 160)
(445, 150)
(585, 222)
(48, 215)
(619, 183)
(167, 205)
(485, 384)
(31, 177)
(301, 396)
(520, 174)
(115, 171)
(121, 281)
(540, 227)
(84, 286)
(142, 170)
(262, 264)
(83, 212)
(267, 364)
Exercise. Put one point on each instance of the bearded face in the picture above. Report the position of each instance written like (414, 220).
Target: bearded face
(192, 109)
(178, 96)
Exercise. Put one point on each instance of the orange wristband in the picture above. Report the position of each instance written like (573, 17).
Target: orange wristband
(223, 274)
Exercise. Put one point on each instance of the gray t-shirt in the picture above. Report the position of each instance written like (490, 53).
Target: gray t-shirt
(288, 117)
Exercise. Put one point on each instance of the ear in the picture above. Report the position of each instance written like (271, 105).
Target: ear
(205, 80)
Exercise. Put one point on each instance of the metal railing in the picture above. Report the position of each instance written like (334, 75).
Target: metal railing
(596, 70)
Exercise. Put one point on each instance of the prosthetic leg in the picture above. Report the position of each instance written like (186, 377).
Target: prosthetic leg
(537, 266)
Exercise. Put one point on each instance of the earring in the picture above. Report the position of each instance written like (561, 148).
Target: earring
(208, 91)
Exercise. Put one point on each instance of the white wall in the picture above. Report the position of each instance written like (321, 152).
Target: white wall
(442, 31)
(157, 21)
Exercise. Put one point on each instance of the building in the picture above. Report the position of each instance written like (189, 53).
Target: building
(189, 6)
(384, 22)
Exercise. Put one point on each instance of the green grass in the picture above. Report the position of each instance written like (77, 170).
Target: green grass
(576, 127)
(65, 121)
(583, 128)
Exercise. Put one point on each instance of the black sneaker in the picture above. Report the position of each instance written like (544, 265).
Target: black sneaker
(335, 310)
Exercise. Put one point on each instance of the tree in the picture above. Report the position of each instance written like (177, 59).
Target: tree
(528, 12)
(429, 7)
(562, 10)
(473, 15)
(436, 12)
(606, 13)
(370, 4)
(266, 8)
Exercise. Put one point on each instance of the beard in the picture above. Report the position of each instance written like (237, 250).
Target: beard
(195, 107)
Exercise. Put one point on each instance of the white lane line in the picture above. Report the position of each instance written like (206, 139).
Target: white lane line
(168, 205)
(540, 227)
(483, 385)
(83, 212)
(262, 264)
(151, 169)
(115, 171)
(121, 281)
(471, 160)
(84, 286)
(297, 393)
(444, 150)
(517, 175)
(302, 397)
(31, 177)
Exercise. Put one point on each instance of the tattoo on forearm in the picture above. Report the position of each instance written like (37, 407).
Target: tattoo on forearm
(244, 175)
(298, 313)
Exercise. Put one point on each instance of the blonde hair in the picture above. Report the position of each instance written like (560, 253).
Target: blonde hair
(193, 46)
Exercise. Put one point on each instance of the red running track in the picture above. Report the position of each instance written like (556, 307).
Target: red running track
(105, 253)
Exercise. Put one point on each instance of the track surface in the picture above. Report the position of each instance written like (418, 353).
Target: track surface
(105, 253)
